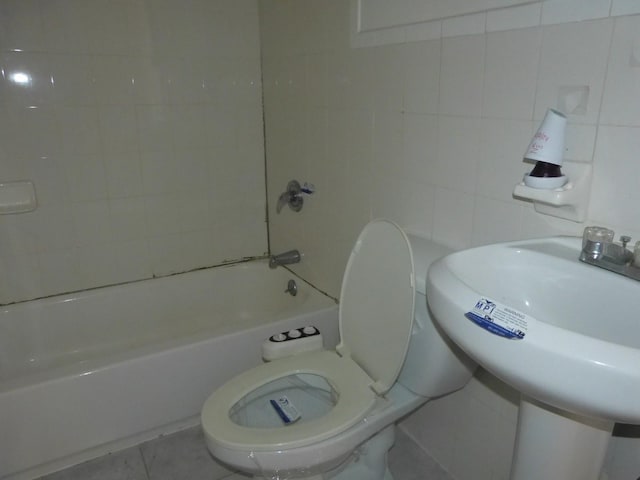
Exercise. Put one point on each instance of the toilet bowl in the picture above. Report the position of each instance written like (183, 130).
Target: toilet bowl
(340, 405)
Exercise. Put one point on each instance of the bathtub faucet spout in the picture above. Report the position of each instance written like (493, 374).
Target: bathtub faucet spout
(286, 258)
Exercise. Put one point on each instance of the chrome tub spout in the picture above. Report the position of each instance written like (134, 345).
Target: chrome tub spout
(286, 258)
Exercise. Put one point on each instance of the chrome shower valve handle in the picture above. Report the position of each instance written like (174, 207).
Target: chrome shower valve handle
(293, 195)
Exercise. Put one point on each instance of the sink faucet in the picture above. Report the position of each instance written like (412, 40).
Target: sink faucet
(286, 258)
(599, 249)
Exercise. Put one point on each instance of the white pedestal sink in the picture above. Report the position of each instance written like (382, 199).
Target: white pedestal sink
(563, 333)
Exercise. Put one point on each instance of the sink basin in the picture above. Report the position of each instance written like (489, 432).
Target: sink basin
(561, 332)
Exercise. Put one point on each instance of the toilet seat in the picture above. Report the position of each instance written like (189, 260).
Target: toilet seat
(356, 398)
(376, 319)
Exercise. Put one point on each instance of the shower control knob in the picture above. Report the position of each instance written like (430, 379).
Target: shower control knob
(295, 333)
(292, 342)
(292, 196)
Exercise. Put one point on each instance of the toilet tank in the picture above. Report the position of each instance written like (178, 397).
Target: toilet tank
(434, 365)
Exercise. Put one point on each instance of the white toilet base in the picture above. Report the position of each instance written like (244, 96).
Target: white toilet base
(367, 462)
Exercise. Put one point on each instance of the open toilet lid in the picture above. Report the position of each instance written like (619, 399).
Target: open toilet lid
(377, 302)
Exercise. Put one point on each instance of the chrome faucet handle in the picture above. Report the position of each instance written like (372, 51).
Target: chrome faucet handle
(292, 196)
(624, 239)
(594, 241)
(292, 288)
(308, 188)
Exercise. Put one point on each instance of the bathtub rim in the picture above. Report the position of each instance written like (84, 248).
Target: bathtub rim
(321, 301)
(327, 323)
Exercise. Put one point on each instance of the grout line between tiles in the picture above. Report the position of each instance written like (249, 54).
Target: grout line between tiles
(144, 462)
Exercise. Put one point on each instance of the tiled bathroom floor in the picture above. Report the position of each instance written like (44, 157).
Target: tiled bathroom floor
(183, 456)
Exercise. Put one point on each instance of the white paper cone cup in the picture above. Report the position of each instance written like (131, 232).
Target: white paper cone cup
(547, 144)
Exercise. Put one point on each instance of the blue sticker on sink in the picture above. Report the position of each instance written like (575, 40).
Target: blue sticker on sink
(499, 319)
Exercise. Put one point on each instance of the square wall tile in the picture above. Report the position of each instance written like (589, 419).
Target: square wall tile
(476, 450)
(407, 461)
(97, 265)
(500, 164)
(453, 218)
(512, 18)
(623, 459)
(461, 76)
(72, 79)
(159, 172)
(66, 28)
(112, 76)
(421, 32)
(21, 26)
(565, 11)
(165, 254)
(85, 177)
(625, 7)
(495, 221)
(31, 132)
(418, 213)
(123, 174)
(80, 130)
(155, 128)
(511, 69)
(50, 228)
(535, 225)
(162, 214)
(49, 178)
(127, 218)
(378, 80)
(464, 25)
(390, 129)
(575, 56)
(616, 174)
(621, 102)
(150, 78)
(441, 415)
(118, 128)
(59, 271)
(579, 143)
(422, 76)
(188, 126)
(92, 223)
(26, 79)
(25, 281)
(420, 150)
(132, 260)
(109, 31)
(456, 166)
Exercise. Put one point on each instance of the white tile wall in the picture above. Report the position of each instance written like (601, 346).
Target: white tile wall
(462, 69)
(464, 25)
(573, 55)
(141, 127)
(532, 14)
(565, 11)
(624, 7)
(511, 18)
(621, 102)
(431, 133)
(511, 68)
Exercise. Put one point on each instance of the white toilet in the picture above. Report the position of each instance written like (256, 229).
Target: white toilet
(390, 360)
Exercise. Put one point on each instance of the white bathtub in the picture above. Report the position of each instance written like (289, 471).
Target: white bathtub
(96, 371)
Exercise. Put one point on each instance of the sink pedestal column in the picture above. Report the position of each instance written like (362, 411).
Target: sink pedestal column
(553, 444)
